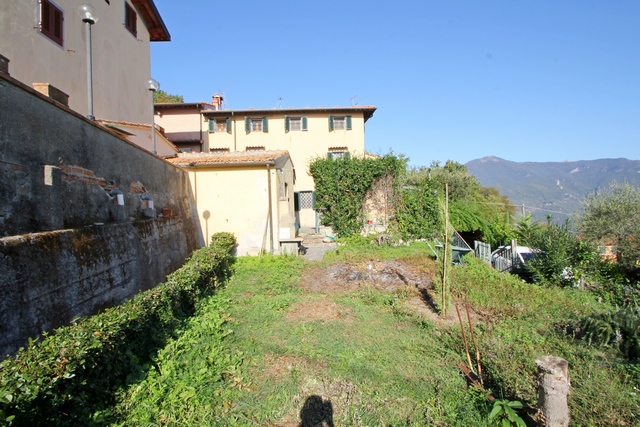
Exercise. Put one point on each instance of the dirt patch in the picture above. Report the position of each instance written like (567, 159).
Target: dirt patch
(383, 275)
(321, 309)
(277, 366)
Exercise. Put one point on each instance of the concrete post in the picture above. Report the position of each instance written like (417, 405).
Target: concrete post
(553, 389)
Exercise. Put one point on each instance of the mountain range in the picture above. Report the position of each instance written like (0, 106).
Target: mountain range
(552, 188)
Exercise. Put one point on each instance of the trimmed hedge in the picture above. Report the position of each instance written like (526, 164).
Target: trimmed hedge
(66, 378)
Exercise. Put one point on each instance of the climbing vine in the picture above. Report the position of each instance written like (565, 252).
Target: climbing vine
(342, 185)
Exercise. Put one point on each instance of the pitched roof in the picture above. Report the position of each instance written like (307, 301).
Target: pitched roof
(367, 111)
(157, 29)
(225, 159)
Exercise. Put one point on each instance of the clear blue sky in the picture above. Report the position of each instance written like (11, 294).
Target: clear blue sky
(542, 80)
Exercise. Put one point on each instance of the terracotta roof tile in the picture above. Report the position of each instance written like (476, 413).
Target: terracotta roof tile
(192, 159)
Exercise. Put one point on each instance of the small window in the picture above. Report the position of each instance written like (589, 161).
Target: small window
(130, 19)
(186, 150)
(336, 154)
(304, 200)
(51, 20)
(339, 123)
(293, 124)
(219, 150)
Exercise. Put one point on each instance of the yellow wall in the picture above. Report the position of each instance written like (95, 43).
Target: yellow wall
(303, 146)
(236, 199)
(121, 62)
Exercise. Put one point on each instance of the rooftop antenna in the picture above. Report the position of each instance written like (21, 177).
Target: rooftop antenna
(223, 104)
(280, 105)
(353, 101)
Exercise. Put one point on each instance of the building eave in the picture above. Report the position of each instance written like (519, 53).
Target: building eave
(158, 31)
(367, 111)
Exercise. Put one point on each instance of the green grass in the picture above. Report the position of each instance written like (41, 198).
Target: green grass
(264, 349)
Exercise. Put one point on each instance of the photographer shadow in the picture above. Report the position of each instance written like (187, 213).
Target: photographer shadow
(316, 412)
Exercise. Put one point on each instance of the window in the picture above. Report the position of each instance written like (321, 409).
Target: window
(336, 153)
(293, 124)
(304, 200)
(256, 125)
(130, 19)
(220, 125)
(51, 19)
(339, 123)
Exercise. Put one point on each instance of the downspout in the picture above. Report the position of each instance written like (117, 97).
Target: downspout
(270, 209)
(234, 132)
(201, 139)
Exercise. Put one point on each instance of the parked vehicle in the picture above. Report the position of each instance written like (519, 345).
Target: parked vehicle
(506, 259)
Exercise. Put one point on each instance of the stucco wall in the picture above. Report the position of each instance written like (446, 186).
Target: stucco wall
(236, 199)
(303, 146)
(121, 62)
(65, 249)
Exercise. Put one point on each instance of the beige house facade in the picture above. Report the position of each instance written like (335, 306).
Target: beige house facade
(249, 194)
(140, 134)
(305, 133)
(44, 41)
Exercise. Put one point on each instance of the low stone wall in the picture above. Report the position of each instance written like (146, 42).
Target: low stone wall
(66, 249)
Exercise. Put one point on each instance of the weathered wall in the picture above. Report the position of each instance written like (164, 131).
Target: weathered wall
(65, 249)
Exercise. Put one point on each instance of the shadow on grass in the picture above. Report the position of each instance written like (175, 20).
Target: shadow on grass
(316, 412)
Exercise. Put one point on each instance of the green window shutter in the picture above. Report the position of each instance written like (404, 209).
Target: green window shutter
(347, 155)
(247, 124)
(313, 200)
(330, 123)
(287, 123)
(212, 125)
(228, 124)
(265, 125)
(304, 123)
(348, 122)
(330, 155)
(296, 201)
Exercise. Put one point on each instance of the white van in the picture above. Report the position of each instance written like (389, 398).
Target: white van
(504, 257)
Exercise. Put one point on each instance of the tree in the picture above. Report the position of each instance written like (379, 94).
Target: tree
(162, 97)
(612, 217)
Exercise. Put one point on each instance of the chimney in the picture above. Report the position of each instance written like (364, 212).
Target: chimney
(217, 101)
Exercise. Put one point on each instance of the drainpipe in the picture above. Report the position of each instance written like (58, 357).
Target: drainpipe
(234, 132)
(270, 209)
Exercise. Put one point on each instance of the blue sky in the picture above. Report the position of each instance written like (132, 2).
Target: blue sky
(523, 80)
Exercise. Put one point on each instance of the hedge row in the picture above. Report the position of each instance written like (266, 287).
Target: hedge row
(66, 377)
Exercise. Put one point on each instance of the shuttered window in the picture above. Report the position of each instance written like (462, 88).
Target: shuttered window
(339, 123)
(256, 124)
(220, 125)
(130, 19)
(51, 21)
(292, 124)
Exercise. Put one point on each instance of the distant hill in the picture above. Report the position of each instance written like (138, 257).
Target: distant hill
(554, 188)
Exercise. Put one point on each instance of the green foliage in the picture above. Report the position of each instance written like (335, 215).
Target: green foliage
(504, 413)
(612, 217)
(473, 209)
(162, 97)
(619, 329)
(71, 376)
(418, 214)
(560, 257)
(341, 187)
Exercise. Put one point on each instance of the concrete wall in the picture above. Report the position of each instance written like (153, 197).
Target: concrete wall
(65, 249)
(121, 62)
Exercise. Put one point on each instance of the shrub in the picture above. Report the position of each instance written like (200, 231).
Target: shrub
(67, 377)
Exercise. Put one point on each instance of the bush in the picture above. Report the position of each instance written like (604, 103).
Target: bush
(67, 377)
(619, 329)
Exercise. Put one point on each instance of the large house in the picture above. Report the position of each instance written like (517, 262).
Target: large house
(43, 42)
(305, 133)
